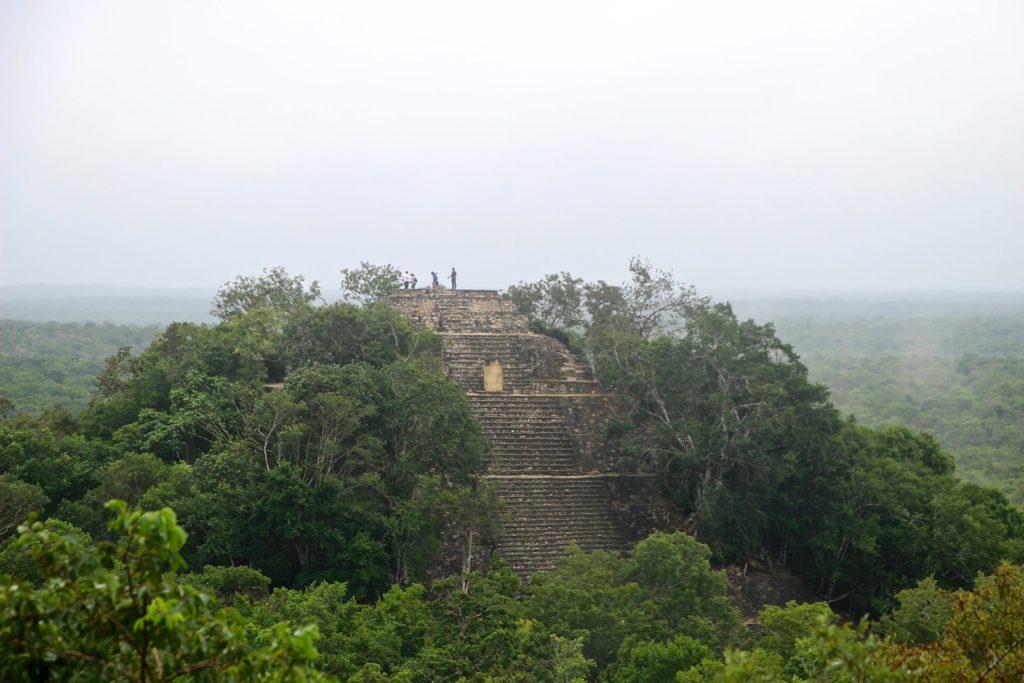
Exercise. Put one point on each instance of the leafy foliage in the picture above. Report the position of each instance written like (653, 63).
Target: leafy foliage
(116, 611)
(921, 617)
(666, 587)
(274, 289)
(556, 301)
(17, 499)
(342, 469)
(740, 437)
(370, 283)
(984, 637)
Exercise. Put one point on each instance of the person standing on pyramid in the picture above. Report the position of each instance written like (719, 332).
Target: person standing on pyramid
(452, 277)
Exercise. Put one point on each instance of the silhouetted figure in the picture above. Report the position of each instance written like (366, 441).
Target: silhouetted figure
(412, 280)
(452, 277)
(433, 277)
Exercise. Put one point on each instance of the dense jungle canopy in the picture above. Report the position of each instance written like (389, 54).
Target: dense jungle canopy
(314, 457)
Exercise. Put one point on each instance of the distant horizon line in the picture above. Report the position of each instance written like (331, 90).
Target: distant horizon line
(69, 290)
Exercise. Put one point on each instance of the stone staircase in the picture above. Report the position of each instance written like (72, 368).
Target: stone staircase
(527, 434)
(546, 514)
(535, 459)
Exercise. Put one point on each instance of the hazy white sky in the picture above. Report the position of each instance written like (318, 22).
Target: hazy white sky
(779, 145)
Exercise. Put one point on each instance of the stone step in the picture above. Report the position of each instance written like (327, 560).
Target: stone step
(542, 468)
(567, 453)
(547, 514)
(541, 417)
(527, 449)
(559, 502)
(522, 423)
(516, 415)
(484, 397)
(534, 453)
(537, 508)
(589, 483)
(518, 445)
(538, 418)
(527, 435)
(540, 449)
(580, 520)
(518, 402)
(587, 536)
(509, 464)
(512, 402)
(546, 445)
(517, 438)
(526, 430)
(551, 410)
(528, 421)
(516, 412)
(532, 459)
(528, 463)
(530, 445)
(548, 429)
(527, 540)
(507, 399)
(534, 542)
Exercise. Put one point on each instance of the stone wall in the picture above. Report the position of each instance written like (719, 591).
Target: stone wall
(587, 417)
(462, 310)
(640, 508)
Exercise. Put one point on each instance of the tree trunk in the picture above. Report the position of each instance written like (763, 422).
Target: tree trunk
(467, 561)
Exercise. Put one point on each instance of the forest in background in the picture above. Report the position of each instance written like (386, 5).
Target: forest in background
(47, 364)
(336, 490)
(959, 377)
(949, 364)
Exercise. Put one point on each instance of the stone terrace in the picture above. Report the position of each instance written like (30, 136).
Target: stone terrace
(540, 408)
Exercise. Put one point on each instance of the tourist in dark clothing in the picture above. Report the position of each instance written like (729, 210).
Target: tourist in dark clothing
(452, 277)
(433, 277)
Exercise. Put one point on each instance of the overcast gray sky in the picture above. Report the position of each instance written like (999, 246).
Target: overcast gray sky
(743, 144)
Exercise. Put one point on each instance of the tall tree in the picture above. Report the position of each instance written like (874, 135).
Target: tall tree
(369, 282)
(556, 300)
(273, 289)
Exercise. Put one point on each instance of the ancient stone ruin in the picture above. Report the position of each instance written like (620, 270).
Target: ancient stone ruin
(545, 416)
